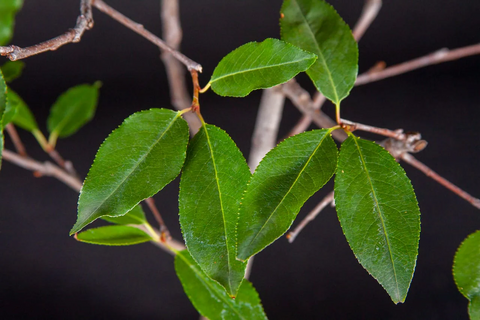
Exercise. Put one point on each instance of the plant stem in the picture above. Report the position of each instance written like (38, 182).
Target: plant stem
(164, 232)
(352, 126)
(17, 142)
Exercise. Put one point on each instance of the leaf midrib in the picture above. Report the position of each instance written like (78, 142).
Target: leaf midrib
(380, 214)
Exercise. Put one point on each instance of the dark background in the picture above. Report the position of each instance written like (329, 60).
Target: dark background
(45, 274)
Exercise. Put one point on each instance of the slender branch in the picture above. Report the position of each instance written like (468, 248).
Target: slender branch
(164, 233)
(84, 22)
(369, 13)
(442, 55)
(172, 33)
(139, 29)
(17, 142)
(352, 126)
(266, 127)
(312, 215)
(408, 158)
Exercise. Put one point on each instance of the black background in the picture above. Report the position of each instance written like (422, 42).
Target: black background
(46, 274)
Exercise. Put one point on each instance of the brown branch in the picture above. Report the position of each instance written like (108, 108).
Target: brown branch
(164, 233)
(139, 29)
(17, 142)
(369, 13)
(172, 33)
(84, 22)
(436, 57)
(352, 126)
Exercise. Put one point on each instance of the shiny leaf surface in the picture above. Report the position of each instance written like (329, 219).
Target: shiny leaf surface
(113, 236)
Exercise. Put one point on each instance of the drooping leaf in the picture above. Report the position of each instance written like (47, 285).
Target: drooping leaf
(210, 298)
(73, 109)
(212, 184)
(113, 236)
(287, 176)
(136, 161)
(23, 116)
(259, 66)
(3, 106)
(378, 212)
(315, 26)
(12, 70)
(134, 216)
(466, 272)
(8, 9)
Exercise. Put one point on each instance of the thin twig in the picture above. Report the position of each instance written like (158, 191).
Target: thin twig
(164, 233)
(442, 55)
(408, 158)
(352, 126)
(369, 13)
(17, 142)
(139, 29)
(84, 22)
(172, 34)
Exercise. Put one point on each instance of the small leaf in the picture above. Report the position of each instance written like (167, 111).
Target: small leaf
(210, 299)
(114, 236)
(23, 116)
(288, 175)
(136, 161)
(12, 70)
(466, 272)
(315, 26)
(3, 106)
(259, 66)
(378, 211)
(10, 110)
(73, 109)
(8, 9)
(213, 180)
(134, 216)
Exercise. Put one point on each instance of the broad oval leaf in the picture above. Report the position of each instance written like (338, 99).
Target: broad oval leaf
(73, 109)
(288, 175)
(134, 216)
(12, 70)
(136, 161)
(210, 299)
(23, 117)
(379, 214)
(8, 9)
(3, 106)
(259, 66)
(113, 236)
(315, 26)
(211, 188)
(466, 272)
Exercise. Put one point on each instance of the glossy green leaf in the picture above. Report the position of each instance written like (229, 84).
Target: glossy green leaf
(288, 175)
(10, 110)
(23, 116)
(12, 70)
(210, 299)
(259, 66)
(379, 214)
(3, 106)
(315, 26)
(134, 216)
(8, 9)
(136, 161)
(113, 236)
(73, 109)
(466, 272)
(213, 180)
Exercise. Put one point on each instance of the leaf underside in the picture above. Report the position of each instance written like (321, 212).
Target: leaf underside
(136, 161)
(114, 236)
(259, 66)
(379, 214)
(134, 216)
(210, 298)
(213, 180)
(288, 175)
(315, 26)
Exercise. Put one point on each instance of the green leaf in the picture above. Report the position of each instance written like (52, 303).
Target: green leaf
(10, 110)
(213, 180)
(73, 109)
(8, 9)
(210, 299)
(466, 272)
(3, 106)
(23, 116)
(136, 161)
(134, 216)
(114, 236)
(259, 66)
(287, 176)
(378, 211)
(315, 26)
(12, 70)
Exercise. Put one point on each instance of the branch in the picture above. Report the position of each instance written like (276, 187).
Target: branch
(84, 22)
(164, 233)
(369, 13)
(172, 33)
(442, 55)
(139, 29)
(17, 142)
